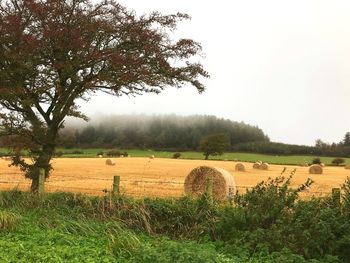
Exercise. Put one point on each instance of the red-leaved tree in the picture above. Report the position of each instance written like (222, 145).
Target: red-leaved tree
(53, 52)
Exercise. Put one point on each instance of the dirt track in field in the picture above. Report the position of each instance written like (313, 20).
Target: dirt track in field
(143, 177)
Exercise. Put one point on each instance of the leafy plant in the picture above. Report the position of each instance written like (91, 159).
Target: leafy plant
(338, 161)
(316, 160)
(176, 155)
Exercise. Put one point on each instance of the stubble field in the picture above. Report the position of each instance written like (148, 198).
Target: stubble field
(144, 177)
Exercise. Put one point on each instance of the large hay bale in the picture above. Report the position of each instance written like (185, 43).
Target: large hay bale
(256, 165)
(322, 164)
(264, 166)
(223, 182)
(315, 169)
(110, 162)
(151, 157)
(347, 167)
(240, 167)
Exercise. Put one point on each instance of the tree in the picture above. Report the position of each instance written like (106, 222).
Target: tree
(54, 52)
(338, 161)
(320, 144)
(214, 144)
(346, 141)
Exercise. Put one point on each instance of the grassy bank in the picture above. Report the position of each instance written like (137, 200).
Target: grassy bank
(267, 224)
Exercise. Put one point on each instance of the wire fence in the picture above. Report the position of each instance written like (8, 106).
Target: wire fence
(141, 188)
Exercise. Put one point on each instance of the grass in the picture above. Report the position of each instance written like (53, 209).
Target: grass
(64, 227)
(244, 157)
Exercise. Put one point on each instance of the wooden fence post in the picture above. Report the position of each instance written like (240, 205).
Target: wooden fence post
(41, 189)
(116, 181)
(336, 196)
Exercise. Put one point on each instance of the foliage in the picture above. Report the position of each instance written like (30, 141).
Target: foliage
(75, 228)
(338, 161)
(53, 53)
(214, 144)
(171, 132)
(176, 155)
(115, 153)
(268, 147)
(77, 152)
(346, 140)
(58, 154)
(316, 160)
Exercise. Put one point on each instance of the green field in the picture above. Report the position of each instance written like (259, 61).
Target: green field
(244, 157)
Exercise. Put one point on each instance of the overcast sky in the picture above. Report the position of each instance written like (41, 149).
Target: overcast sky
(281, 65)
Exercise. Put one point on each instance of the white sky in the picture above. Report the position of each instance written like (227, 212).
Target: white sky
(281, 65)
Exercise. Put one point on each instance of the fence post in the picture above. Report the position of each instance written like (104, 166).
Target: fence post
(336, 196)
(116, 181)
(41, 189)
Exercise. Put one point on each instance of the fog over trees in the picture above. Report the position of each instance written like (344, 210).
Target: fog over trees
(165, 132)
(183, 133)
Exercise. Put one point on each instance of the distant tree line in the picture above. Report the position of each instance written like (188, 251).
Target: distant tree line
(178, 133)
(321, 148)
(158, 132)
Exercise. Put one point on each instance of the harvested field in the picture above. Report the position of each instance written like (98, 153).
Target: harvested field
(144, 177)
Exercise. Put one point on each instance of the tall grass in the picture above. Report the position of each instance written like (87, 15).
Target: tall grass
(8, 220)
(268, 219)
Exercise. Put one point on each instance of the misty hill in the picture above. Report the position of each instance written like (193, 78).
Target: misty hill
(157, 132)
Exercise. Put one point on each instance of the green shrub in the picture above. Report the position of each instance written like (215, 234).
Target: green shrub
(76, 152)
(338, 161)
(269, 223)
(316, 160)
(115, 153)
(58, 153)
(176, 155)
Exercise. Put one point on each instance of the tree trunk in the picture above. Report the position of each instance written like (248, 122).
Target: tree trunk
(42, 162)
(34, 187)
(206, 156)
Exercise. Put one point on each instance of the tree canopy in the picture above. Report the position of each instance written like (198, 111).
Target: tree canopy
(54, 52)
(214, 144)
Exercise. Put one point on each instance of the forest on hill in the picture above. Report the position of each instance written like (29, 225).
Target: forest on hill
(184, 133)
(169, 132)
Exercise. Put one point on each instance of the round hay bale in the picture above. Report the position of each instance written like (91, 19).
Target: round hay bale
(264, 166)
(151, 157)
(110, 162)
(322, 164)
(100, 156)
(315, 169)
(347, 167)
(260, 162)
(223, 182)
(305, 165)
(256, 165)
(240, 167)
